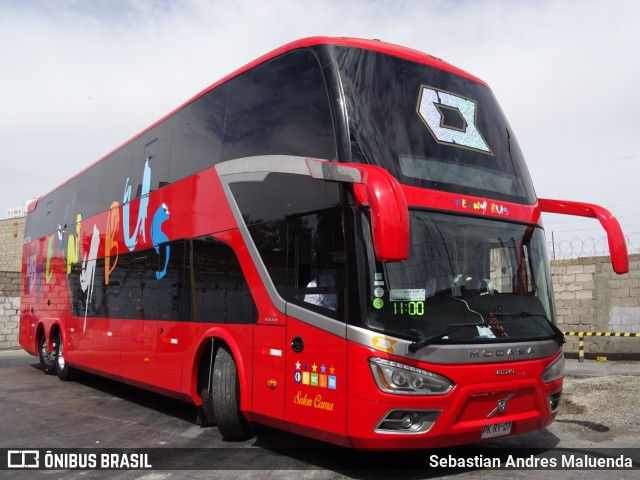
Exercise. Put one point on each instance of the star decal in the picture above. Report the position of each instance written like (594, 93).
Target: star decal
(297, 365)
(332, 370)
(314, 367)
(323, 369)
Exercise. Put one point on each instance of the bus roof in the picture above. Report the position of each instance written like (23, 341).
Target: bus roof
(366, 44)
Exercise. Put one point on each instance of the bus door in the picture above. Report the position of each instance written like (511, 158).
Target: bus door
(316, 332)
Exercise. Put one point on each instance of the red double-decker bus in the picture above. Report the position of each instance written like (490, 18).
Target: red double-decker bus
(340, 239)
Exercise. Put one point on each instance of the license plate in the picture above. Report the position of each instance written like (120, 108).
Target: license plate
(496, 430)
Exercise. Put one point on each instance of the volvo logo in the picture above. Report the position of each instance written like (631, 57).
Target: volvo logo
(501, 352)
(502, 406)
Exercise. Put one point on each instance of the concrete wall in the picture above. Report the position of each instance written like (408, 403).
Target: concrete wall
(590, 297)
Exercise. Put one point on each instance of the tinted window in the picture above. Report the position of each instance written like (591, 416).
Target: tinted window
(282, 195)
(116, 169)
(42, 221)
(154, 145)
(220, 291)
(88, 187)
(280, 108)
(431, 128)
(61, 206)
(34, 228)
(296, 225)
(134, 291)
(66, 200)
(197, 134)
(305, 258)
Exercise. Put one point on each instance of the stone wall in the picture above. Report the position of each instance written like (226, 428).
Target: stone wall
(590, 297)
(9, 309)
(11, 236)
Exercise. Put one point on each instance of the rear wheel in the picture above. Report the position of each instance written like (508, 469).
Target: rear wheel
(47, 358)
(64, 371)
(226, 398)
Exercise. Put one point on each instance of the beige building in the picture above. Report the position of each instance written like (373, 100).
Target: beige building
(11, 235)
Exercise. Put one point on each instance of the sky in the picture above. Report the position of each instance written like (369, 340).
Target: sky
(80, 77)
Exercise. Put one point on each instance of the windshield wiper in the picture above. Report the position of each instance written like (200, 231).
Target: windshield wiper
(557, 333)
(425, 342)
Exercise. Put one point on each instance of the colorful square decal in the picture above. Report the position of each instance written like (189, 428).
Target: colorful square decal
(323, 381)
(297, 377)
(332, 382)
(305, 378)
(314, 379)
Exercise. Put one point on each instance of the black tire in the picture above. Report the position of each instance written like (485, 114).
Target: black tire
(47, 358)
(64, 371)
(226, 398)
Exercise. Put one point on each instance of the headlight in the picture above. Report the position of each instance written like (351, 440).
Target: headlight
(398, 378)
(554, 371)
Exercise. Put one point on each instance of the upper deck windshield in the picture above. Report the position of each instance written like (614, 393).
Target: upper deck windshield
(478, 279)
(430, 128)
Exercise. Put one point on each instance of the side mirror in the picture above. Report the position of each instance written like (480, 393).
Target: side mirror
(617, 244)
(388, 205)
(372, 185)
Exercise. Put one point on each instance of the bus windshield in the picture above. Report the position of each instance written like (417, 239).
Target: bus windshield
(431, 128)
(481, 279)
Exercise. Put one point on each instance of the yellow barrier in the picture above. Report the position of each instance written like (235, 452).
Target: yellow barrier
(581, 336)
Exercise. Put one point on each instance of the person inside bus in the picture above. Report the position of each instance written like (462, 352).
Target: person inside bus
(323, 278)
(326, 280)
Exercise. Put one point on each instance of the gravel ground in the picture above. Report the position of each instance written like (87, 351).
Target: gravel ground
(598, 406)
(610, 401)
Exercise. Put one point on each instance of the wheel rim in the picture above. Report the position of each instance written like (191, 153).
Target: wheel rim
(60, 357)
(47, 357)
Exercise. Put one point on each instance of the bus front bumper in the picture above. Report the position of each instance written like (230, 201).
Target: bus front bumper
(471, 414)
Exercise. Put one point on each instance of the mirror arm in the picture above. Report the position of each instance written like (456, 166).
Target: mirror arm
(615, 237)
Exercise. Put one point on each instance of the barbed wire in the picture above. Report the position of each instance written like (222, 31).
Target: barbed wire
(588, 247)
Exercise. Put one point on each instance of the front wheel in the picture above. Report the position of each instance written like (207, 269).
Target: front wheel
(47, 358)
(226, 398)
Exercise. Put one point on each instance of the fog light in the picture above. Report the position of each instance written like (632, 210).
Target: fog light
(554, 401)
(407, 421)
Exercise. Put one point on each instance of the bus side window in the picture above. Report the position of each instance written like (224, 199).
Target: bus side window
(296, 225)
(219, 290)
(196, 141)
(153, 146)
(320, 267)
(280, 108)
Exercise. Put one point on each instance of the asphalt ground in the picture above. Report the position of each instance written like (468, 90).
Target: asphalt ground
(37, 411)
